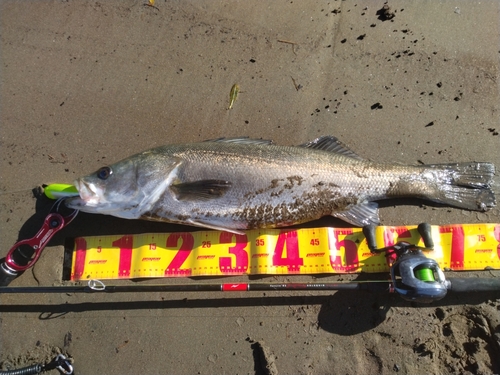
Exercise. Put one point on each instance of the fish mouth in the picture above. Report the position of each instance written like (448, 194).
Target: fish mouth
(92, 200)
(88, 191)
(89, 195)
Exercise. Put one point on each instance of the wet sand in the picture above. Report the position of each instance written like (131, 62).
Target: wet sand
(87, 83)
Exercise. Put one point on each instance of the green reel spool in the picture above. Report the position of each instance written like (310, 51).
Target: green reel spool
(425, 274)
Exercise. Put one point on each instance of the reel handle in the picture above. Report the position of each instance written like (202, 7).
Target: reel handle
(425, 230)
(369, 233)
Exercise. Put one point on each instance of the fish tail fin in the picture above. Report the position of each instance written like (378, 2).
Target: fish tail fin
(463, 185)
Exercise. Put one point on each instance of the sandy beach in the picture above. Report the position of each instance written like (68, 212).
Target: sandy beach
(87, 83)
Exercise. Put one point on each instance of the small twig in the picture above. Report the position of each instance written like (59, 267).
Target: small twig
(55, 161)
(289, 42)
(286, 41)
(121, 346)
(297, 87)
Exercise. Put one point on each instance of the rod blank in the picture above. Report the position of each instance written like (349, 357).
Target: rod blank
(226, 287)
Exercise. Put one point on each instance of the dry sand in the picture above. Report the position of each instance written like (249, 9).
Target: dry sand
(85, 83)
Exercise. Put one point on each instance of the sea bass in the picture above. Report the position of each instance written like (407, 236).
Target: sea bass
(234, 184)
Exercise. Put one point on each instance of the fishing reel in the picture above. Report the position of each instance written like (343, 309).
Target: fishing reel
(414, 276)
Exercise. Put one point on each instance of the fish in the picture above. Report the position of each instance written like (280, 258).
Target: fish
(237, 184)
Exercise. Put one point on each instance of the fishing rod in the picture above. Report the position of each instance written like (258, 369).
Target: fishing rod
(97, 286)
(456, 285)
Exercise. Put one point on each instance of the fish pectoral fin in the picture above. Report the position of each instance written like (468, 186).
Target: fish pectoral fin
(200, 190)
(199, 223)
(361, 214)
(331, 144)
(242, 141)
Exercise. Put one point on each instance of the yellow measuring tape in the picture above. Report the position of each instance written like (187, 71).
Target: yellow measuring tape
(278, 252)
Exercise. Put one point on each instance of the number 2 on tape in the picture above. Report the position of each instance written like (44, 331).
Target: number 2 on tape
(174, 268)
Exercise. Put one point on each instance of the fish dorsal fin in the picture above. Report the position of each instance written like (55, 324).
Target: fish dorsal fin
(331, 144)
(242, 141)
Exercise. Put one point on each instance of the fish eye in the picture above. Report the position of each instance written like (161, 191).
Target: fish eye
(104, 173)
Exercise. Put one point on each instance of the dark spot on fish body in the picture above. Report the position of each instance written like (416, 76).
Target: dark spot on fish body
(275, 182)
(183, 218)
(394, 189)
(309, 206)
(250, 195)
(299, 179)
(297, 204)
(277, 194)
(327, 201)
(292, 180)
(360, 174)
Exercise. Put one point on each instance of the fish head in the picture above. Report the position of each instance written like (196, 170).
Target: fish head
(125, 189)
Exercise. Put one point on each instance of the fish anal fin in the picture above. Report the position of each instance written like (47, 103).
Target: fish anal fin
(200, 190)
(361, 214)
(331, 144)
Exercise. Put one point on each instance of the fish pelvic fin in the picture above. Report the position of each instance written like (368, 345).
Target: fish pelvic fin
(214, 226)
(362, 214)
(200, 190)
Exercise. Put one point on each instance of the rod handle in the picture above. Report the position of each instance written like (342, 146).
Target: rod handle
(6, 274)
(462, 285)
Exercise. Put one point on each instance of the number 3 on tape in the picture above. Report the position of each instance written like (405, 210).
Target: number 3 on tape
(303, 251)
